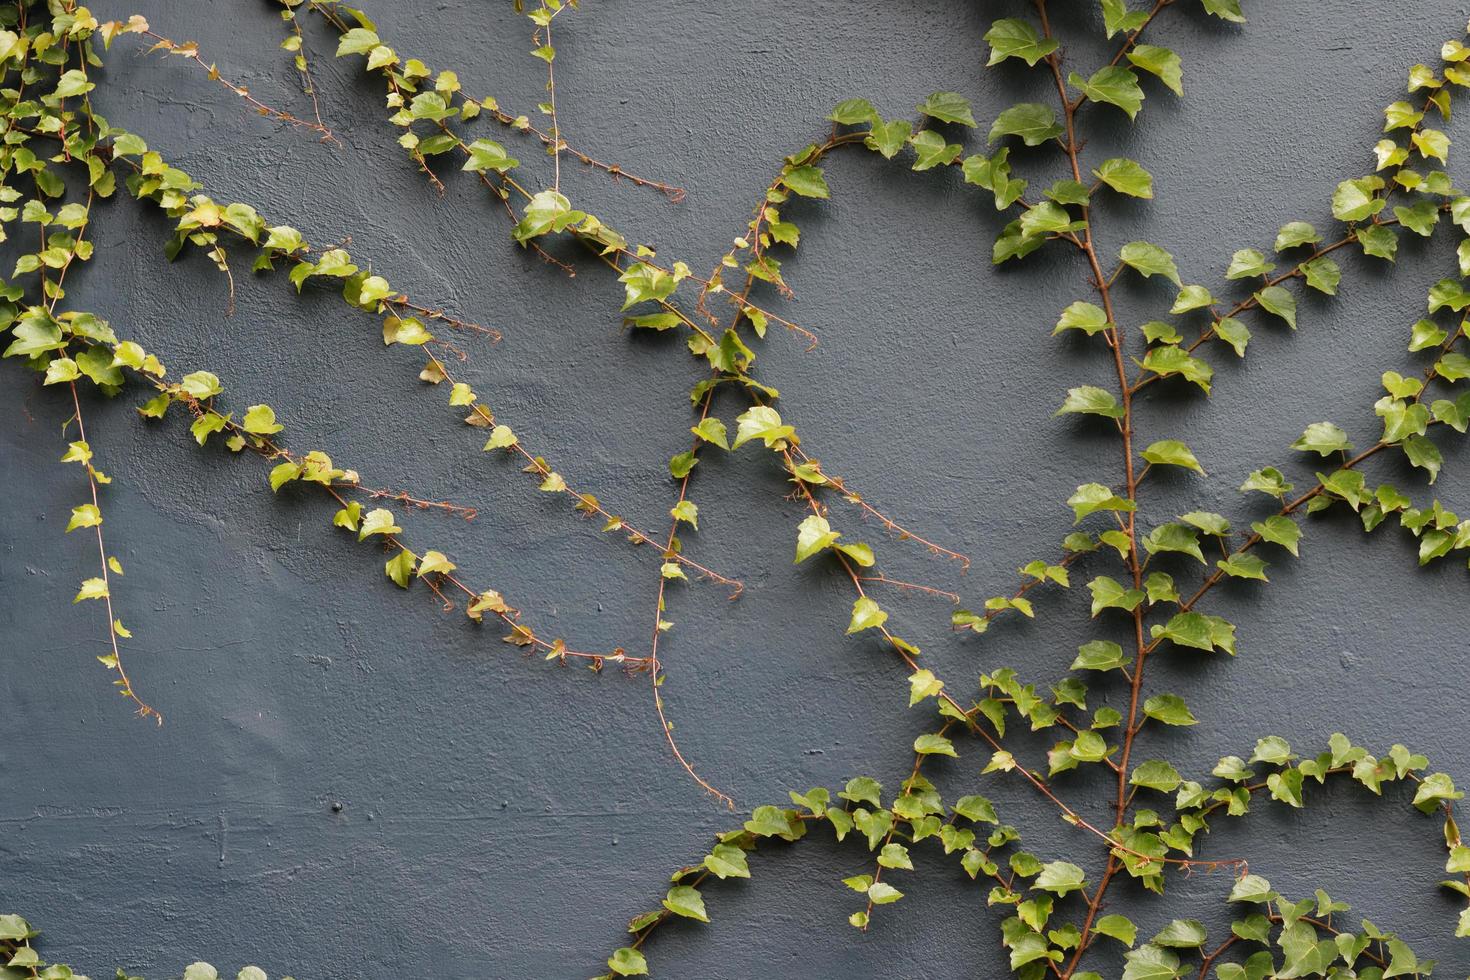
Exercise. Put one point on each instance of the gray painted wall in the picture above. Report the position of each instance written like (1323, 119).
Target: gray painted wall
(500, 817)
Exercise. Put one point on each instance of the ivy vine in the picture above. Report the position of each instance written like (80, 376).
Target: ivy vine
(1149, 574)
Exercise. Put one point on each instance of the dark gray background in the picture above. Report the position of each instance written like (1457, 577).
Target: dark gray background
(502, 818)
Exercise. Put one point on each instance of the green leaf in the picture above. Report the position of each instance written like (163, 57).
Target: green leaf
(1117, 17)
(627, 962)
(931, 744)
(866, 614)
(1191, 298)
(1088, 400)
(1169, 709)
(1093, 497)
(1119, 927)
(1047, 218)
(1281, 530)
(1176, 538)
(1322, 274)
(1099, 655)
(1243, 566)
(1172, 452)
(1112, 84)
(1161, 62)
(1247, 263)
(727, 861)
(486, 154)
(1082, 316)
(931, 150)
(852, 112)
(1151, 260)
(1182, 934)
(1126, 177)
(813, 535)
(1355, 200)
(1234, 333)
(1295, 233)
(764, 423)
(1016, 38)
(950, 107)
(261, 420)
(1225, 10)
(1033, 122)
(378, 521)
(1252, 888)
(1060, 878)
(358, 40)
(1278, 300)
(400, 568)
(889, 137)
(808, 181)
(1323, 438)
(1156, 774)
(686, 901)
(1108, 593)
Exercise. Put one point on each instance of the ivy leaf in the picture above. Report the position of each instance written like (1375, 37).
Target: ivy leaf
(686, 901)
(1225, 10)
(1119, 927)
(1060, 878)
(1108, 593)
(486, 154)
(813, 535)
(1323, 438)
(1191, 298)
(923, 684)
(950, 107)
(764, 423)
(808, 181)
(261, 420)
(400, 567)
(1248, 262)
(1172, 452)
(852, 112)
(1082, 316)
(1088, 400)
(1182, 934)
(501, 437)
(1117, 17)
(1281, 530)
(1243, 566)
(1112, 84)
(628, 962)
(1278, 300)
(378, 521)
(727, 861)
(1033, 122)
(1322, 274)
(1099, 655)
(1295, 233)
(1252, 888)
(1161, 62)
(1355, 200)
(1169, 709)
(1174, 537)
(931, 150)
(1126, 177)
(866, 614)
(932, 744)
(1160, 775)
(1016, 38)
(1151, 260)
(1093, 497)
(889, 137)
